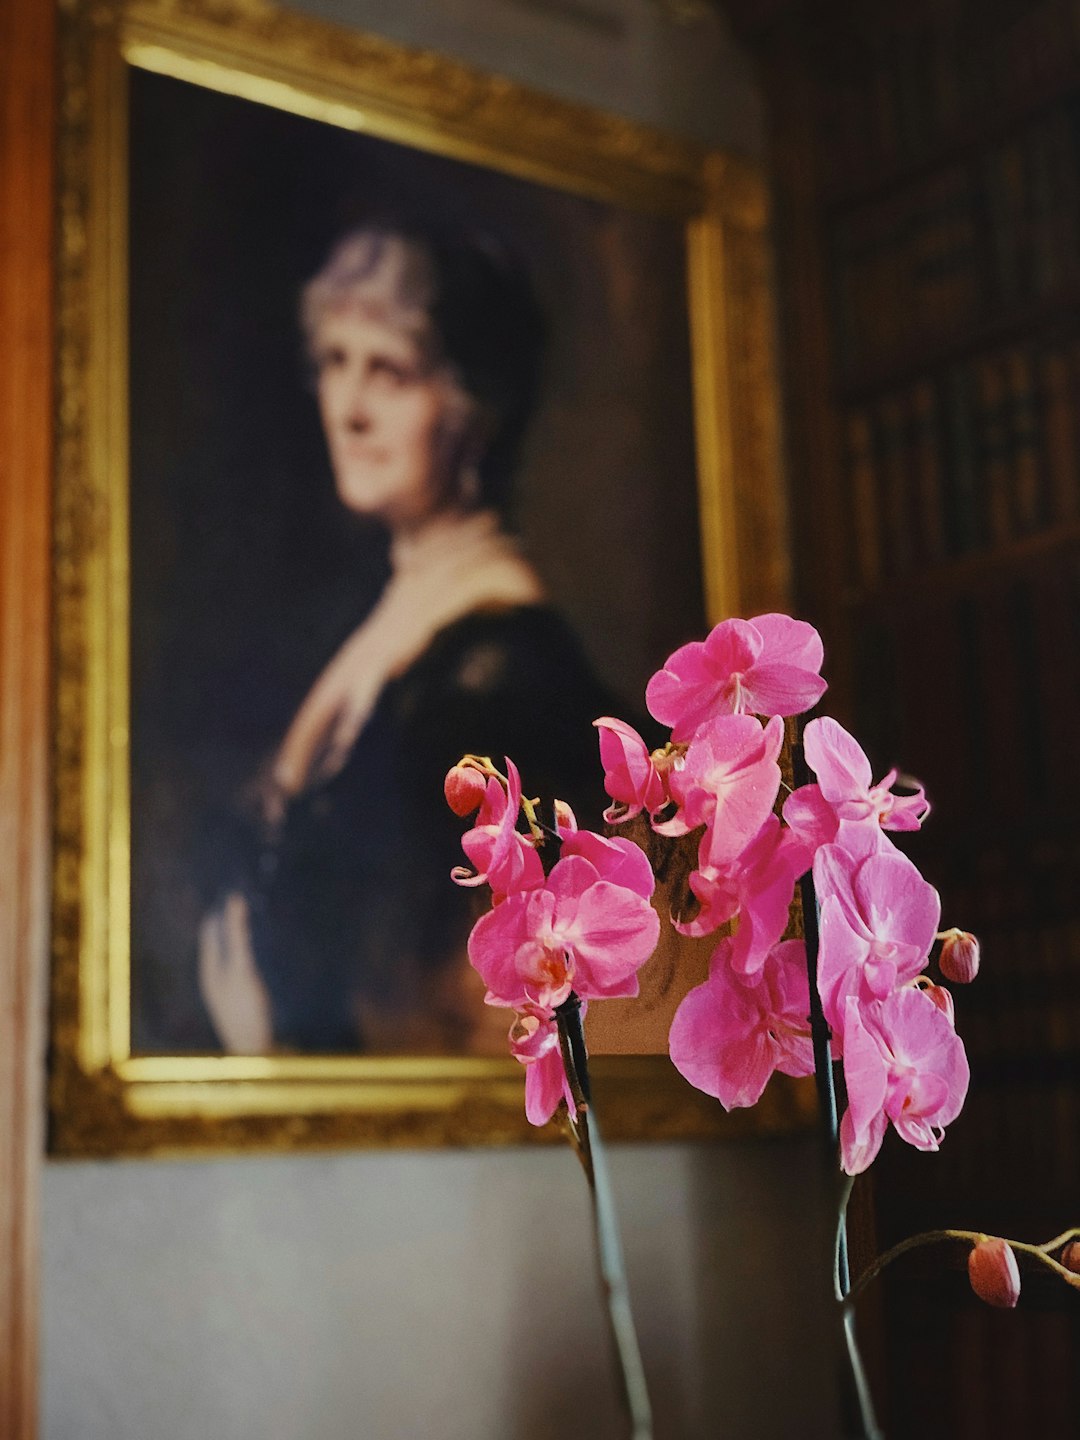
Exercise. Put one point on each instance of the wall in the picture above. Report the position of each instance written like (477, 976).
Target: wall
(451, 1295)
(626, 56)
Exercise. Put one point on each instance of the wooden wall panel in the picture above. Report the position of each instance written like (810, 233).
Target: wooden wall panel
(26, 160)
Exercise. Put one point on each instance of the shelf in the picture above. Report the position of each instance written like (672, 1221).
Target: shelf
(977, 134)
(1049, 319)
(965, 573)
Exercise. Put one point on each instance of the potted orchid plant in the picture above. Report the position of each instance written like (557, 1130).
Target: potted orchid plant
(840, 991)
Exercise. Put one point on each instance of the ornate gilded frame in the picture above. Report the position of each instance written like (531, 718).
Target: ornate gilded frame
(104, 1099)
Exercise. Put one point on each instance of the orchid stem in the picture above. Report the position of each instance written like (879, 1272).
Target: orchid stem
(609, 1255)
(826, 1089)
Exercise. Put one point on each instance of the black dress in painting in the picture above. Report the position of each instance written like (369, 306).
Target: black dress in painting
(353, 912)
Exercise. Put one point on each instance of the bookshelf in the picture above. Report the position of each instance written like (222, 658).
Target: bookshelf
(926, 163)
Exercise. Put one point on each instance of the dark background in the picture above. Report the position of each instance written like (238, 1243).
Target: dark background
(246, 573)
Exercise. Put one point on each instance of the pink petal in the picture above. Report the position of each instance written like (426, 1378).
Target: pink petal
(898, 905)
(614, 932)
(545, 1086)
(810, 816)
(865, 1074)
(618, 860)
(696, 680)
(775, 689)
(493, 944)
(794, 642)
(630, 777)
(857, 1152)
(715, 1045)
(840, 958)
(922, 1038)
(837, 759)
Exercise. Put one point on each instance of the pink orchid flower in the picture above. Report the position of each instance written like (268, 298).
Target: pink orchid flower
(765, 666)
(904, 1063)
(504, 858)
(810, 816)
(728, 1037)
(844, 777)
(760, 882)
(631, 775)
(578, 931)
(878, 921)
(618, 860)
(729, 781)
(534, 1042)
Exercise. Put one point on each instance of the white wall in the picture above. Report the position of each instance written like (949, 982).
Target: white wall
(447, 1296)
(450, 1296)
(625, 56)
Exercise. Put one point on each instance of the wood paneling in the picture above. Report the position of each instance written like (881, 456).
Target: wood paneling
(26, 161)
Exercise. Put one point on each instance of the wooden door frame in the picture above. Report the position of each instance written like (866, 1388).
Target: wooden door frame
(27, 129)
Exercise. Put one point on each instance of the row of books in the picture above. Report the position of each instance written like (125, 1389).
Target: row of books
(976, 692)
(981, 455)
(935, 80)
(991, 236)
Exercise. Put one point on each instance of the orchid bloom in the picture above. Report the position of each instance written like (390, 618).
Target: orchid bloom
(632, 776)
(728, 1037)
(534, 1042)
(765, 666)
(759, 882)
(877, 924)
(729, 781)
(844, 777)
(504, 858)
(904, 1063)
(578, 931)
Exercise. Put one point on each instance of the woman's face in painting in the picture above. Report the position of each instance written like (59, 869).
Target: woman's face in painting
(383, 409)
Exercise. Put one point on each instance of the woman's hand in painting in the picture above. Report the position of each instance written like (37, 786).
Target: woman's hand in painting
(232, 988)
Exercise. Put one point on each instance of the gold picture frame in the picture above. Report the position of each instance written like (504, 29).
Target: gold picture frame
(106, 1098)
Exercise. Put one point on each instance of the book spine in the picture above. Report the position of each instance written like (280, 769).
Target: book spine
(960, 497)
(865, 531)
(1025, 448)
(1057, 393)
(994, 457)
(891, 462)
(927, 452)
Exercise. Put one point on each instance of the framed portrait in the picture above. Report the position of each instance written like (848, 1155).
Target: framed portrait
(402, 413)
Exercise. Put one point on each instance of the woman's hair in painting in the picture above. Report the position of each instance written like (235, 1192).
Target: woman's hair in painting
(471, 309)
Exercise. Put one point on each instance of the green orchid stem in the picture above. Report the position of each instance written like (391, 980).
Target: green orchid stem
(862, 1387)
(487, 766)
(613, 1287)
(1041, 1253)
(826, 1089)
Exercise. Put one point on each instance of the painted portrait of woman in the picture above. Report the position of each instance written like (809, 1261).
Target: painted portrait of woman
(401, 489)
(339, 929)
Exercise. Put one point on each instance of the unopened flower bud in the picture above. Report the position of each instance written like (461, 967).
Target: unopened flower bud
(994, 1273)
(959, 958)
(464, 788)
(1070, 1256)
(942, 999)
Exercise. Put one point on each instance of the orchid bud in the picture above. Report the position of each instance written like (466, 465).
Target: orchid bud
(994, 1273)
(1070, 1257)
(942, 999)
(464, 788)
(959, 958)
